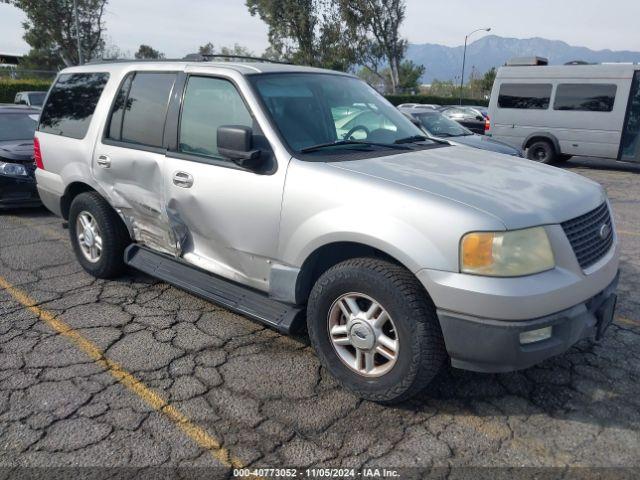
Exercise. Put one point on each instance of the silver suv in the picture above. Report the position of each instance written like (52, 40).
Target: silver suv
(286, 193)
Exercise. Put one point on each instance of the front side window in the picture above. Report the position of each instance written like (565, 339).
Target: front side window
(209, 103)
(140, 108)
(585, 97)
(71, 104)
(531, 96)
(316, 109)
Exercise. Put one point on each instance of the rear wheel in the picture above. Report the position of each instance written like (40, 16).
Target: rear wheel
(98, 235)
(542, 151)
(375, 329)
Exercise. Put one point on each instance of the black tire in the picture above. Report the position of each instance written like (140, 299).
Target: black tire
(421, 353)
(115, 236)
(542, 151)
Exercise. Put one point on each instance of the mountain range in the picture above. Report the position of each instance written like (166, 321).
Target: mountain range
(444, 63)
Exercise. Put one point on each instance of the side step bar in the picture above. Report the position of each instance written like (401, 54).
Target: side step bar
(243, 300)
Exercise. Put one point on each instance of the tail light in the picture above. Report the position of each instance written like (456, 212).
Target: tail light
(37, 154)
(487, 124)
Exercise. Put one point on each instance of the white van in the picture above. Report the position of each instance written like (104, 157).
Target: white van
(555, 112)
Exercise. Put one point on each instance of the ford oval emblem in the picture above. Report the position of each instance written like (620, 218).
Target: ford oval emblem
(605, 229)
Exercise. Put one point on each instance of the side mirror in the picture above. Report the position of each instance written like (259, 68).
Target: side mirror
(235, 142)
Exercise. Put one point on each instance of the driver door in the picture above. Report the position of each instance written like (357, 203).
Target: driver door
(227, 216)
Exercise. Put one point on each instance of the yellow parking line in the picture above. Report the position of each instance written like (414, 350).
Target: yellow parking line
(151, 398)
(627, 321)
(626, 232)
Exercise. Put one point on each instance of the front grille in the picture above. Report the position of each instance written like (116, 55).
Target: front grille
(585, 235)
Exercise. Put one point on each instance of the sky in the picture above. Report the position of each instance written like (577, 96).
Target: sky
(178, 27)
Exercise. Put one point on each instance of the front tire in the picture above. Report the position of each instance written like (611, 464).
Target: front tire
(375, 329)
(98, 235)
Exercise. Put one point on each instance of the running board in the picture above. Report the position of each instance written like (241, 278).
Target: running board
(235, 297)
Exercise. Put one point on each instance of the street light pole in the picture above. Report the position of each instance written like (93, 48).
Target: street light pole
(464, 57)
(75, 14)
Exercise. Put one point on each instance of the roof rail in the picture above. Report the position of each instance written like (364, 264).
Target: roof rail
(192, 57)
(207, 56)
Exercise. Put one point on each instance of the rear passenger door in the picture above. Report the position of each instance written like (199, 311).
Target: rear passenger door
(128, 159)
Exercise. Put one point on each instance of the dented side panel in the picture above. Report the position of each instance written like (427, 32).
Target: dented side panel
(134, 186)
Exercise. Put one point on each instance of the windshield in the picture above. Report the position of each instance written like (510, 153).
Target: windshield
(317, 109)
(17, 126)
(440, 126)
(37, 99)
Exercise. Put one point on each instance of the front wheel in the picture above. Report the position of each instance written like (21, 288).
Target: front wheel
(375, 329)
(98, 235)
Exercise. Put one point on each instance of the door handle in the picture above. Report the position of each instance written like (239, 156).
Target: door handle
(183, 179)
(104, 161)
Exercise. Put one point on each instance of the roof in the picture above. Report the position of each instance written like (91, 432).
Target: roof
(244, 68)
(610, 70)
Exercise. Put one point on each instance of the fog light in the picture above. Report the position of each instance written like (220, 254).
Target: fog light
(533, 336)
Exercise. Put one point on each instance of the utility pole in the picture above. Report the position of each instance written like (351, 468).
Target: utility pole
(77, 22)
(464, 57)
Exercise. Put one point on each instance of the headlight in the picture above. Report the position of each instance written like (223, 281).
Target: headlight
(506, 254)
(12, 169)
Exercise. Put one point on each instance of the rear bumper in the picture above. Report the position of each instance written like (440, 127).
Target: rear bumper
(489, 345)
(51, 189)
(18, 192)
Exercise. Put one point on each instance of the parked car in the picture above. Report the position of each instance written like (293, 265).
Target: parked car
(231, 181)
(468, 117)
(17, 169)
(31, 99)
(435, 124)
(554, 112)
(430, 106)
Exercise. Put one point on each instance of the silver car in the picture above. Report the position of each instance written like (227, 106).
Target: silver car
(294, 194)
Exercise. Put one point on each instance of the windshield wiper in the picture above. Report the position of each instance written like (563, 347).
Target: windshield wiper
(338, 143)
(411, 139)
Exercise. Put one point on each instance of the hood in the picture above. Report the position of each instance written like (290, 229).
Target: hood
(520, 192)
(16, 151)
(485, 143)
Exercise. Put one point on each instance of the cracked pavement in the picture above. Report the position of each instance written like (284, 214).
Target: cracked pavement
(264, 397)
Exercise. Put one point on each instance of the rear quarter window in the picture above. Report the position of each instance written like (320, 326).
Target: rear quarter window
(71, 104)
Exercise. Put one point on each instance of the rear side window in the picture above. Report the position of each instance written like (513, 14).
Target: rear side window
(140, 109)
(585, 97)
(535, 96)
(71, 104)
(209, 103)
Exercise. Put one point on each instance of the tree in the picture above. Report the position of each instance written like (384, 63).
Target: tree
(41, 59)
(237, 50)
(409, 76)
(145, 52)
(488, 79)
(381, 19)
(50, 27)
(308, 32)
(409, 72)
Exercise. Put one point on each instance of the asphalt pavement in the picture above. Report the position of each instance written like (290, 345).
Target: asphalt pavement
(136, 373)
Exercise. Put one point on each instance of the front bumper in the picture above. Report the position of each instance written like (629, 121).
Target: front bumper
(18, 192)
(489, 345)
